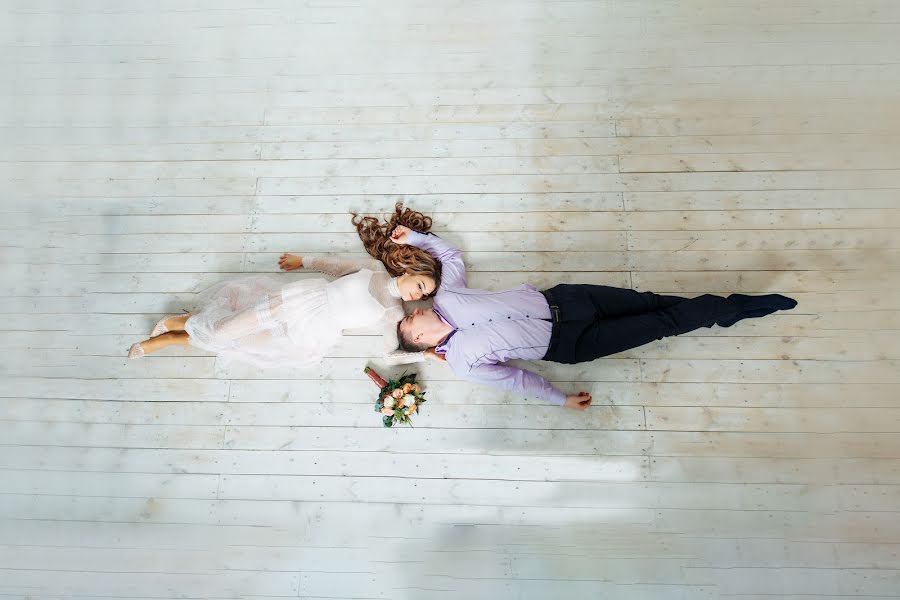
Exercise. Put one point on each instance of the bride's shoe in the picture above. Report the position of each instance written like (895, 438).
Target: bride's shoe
(160, 327)
(136, 351)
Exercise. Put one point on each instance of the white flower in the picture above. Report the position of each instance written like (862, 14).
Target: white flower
(409, 399)
(389, 402)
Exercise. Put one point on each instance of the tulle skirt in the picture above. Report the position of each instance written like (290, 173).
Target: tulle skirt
(262, 321)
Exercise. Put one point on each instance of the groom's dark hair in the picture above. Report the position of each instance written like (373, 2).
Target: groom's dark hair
(407, 344)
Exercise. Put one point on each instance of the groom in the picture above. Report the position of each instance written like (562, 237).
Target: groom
(475, 330)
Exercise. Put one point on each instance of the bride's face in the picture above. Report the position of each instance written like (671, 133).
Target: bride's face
(414, 287)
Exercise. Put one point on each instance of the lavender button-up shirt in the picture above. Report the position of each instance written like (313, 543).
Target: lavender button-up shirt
(490, 327)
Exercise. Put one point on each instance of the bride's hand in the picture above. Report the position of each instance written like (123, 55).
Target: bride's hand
(430, 354)
(400, 235)
(289, 262)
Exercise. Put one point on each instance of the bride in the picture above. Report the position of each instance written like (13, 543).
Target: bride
(266, 322)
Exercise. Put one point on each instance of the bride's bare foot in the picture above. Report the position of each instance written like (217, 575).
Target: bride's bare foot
(170, 338)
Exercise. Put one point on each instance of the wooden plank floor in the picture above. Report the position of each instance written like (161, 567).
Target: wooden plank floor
(682, 146)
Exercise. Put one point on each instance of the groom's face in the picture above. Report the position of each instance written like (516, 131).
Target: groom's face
(418, 326)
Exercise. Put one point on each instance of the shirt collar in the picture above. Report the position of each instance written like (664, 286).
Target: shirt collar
(441, 348)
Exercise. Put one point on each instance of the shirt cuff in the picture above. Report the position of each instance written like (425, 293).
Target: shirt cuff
(416, 238)
(556, 397)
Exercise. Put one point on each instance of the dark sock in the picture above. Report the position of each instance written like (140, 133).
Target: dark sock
(748, 307)
(747, 303)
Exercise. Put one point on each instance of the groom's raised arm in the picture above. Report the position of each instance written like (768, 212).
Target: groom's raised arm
(453, 270)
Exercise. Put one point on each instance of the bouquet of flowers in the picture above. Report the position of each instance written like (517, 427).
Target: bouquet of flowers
(397, 399)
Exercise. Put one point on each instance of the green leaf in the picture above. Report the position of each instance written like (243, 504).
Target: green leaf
(387, 421)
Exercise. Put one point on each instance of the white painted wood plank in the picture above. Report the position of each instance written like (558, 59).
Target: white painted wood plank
(819, 471)
(770, 419)
(278, 492)
(770, 371)
(349, 167)
(859, 527)
(110, 485)
(783, 161)
(328, 463)
(116, 584)
(675, 241)
(116, 435)
(784, 445)
(584, 183)
(514, 221)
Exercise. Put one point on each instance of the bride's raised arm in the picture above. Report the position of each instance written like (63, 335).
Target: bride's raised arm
(330, 265)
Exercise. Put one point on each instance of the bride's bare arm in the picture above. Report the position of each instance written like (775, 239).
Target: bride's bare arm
(330, 265)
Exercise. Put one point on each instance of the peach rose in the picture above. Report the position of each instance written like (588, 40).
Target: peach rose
(398, 393)
(407, 388)
(387, 411)
(411, 409)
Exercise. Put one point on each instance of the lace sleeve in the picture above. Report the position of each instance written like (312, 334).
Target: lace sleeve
(392, 353)
(338, 267)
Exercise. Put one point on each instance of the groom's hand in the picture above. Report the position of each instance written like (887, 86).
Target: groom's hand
(578, 402)
(400, 235)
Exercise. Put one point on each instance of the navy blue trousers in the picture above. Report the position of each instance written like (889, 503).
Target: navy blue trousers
(597, 320)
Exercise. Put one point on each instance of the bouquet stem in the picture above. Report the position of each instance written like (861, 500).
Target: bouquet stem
(375, 377)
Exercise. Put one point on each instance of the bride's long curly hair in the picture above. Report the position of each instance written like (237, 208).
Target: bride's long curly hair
(396, 258)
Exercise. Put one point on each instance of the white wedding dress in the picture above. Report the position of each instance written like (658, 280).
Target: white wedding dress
(268, 323)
